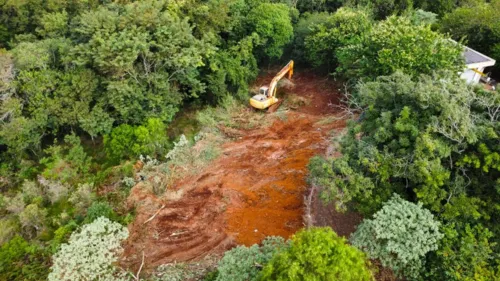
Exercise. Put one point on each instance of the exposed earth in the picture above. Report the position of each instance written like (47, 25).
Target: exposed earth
(255, 189)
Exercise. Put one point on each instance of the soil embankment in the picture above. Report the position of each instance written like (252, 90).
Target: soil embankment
(253, 190)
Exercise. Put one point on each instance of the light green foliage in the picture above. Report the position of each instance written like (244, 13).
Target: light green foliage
(15, 204)
(399, 235)
(32, 219)
(131, 141)
(318, 254)
(345, 27)
(90, 253)
(273, 24)
(381, 9)
(30, 191)
(464, 254)
(82, 198)
(244, 263)
(54, 191)
(397, 44)
(54, 24)
(8, 228)
(479, 24)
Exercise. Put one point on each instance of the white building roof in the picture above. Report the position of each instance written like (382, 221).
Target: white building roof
(474, 59)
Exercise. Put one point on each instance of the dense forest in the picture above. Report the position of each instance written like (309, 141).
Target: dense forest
(89, 87)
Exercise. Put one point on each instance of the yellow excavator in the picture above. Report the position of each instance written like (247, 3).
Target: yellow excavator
(267, 95)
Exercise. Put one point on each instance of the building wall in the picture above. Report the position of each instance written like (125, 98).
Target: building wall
(471, 76)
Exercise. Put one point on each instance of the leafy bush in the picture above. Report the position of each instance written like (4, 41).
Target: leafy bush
(90, 253)
(20, 260)
(16, 204)
(244, 263)
(66, 163)
(464, 254)
(99, 209)
(8, 228)
(32, 219)
(129, 141)
(82, 198)
(318, 254)
(399, 235)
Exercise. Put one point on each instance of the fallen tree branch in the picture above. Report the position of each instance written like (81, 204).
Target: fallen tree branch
(308, 216)
(136, 277)
(152, 217)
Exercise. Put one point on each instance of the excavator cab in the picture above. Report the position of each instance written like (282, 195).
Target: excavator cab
(263, 90)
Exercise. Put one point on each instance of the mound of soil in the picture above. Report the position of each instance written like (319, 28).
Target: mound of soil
(255, 189)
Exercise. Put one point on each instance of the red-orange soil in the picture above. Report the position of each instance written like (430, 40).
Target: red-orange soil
(253, 190)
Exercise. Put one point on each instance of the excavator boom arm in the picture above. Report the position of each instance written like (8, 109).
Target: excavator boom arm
(286, 69)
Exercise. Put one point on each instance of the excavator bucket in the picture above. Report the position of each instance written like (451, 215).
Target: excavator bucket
(275, 106)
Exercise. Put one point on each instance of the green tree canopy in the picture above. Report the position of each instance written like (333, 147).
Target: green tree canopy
(318, 254)
(397, 44)
(273, 24)
(343, 28)
(399, 235)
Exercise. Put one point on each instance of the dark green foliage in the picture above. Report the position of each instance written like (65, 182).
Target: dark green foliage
(244, 263)
(68, 162)
(99, 209)
(318, 254)
(465, 253)
(479, 24)
(273, 25)
(20, 260)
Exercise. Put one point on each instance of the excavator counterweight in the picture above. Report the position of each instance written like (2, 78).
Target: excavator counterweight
(267, 94)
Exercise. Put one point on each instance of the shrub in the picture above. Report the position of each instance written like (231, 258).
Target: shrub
(82, 197)
(400, 235)
(243, 263)
(127, 141)
(20, 260)
(8, 228)
(463, 255)
(90, 253)
(32, 219)
(318, 254)
(31, 190)
(67, 162)
(54, 190)
(99, 209)
(16, 204)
